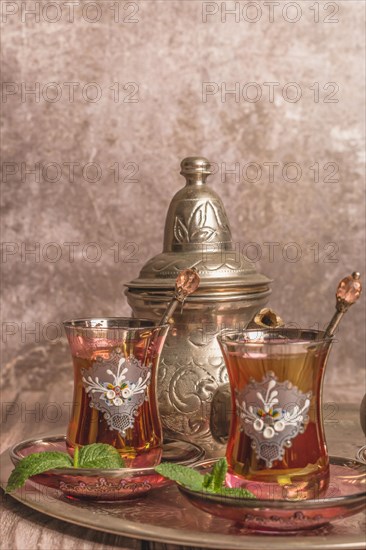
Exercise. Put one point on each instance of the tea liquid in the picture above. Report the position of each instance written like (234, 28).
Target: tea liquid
(305, 462)
(88, 425)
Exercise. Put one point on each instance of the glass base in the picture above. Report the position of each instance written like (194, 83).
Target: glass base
(282, 486)
(144, 459)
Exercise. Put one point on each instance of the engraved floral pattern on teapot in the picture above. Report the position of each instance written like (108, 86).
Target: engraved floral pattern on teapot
(202, 226)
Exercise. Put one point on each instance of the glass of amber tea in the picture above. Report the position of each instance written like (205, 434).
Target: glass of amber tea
(276, 445)
(115, 368)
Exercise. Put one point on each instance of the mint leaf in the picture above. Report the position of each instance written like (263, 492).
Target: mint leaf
(232, 492)
(208, 483)
(181, 474)
(99, 455)
(216, 479)
(34, 464)
(96, 455)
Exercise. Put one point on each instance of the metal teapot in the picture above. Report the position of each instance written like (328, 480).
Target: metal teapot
(192, 371)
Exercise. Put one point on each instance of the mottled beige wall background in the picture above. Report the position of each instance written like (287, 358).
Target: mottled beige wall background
(122, 92)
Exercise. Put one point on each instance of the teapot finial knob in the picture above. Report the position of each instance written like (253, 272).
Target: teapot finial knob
(195, 169)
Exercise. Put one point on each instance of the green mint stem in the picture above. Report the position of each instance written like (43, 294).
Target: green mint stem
(76, 457)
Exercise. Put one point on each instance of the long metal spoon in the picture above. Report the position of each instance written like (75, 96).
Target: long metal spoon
(348, 292)
(186, 283)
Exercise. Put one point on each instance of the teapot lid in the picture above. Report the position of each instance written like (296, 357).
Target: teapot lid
(197, 234)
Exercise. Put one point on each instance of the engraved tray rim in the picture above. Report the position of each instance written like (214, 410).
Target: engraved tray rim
(61, 509)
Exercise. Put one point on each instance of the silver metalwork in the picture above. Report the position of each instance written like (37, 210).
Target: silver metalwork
(231, 291)
(272, 413)
(168, 517)
(117, 387)
(266, 318)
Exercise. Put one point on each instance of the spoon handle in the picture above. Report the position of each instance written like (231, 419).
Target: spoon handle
(348, 292)
(186, 283)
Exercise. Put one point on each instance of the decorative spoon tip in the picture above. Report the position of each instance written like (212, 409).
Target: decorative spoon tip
(348, 292)
(186, 283)
(349, 289)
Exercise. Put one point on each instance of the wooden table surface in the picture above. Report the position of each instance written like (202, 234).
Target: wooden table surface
(26, 529)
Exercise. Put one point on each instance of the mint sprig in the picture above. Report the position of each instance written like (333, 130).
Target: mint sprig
(215, 480)
(99, 455)
(212, 483)
(35, 464)
(96, 455)
(181, 474)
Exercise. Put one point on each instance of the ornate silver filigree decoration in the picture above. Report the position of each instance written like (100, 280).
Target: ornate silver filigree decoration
(117, 387)
(272, 413)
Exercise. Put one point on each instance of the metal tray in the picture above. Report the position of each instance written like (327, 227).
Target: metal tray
(166, 516)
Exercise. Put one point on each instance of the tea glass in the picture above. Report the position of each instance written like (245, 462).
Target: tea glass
(115, 398)
(276, 445)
